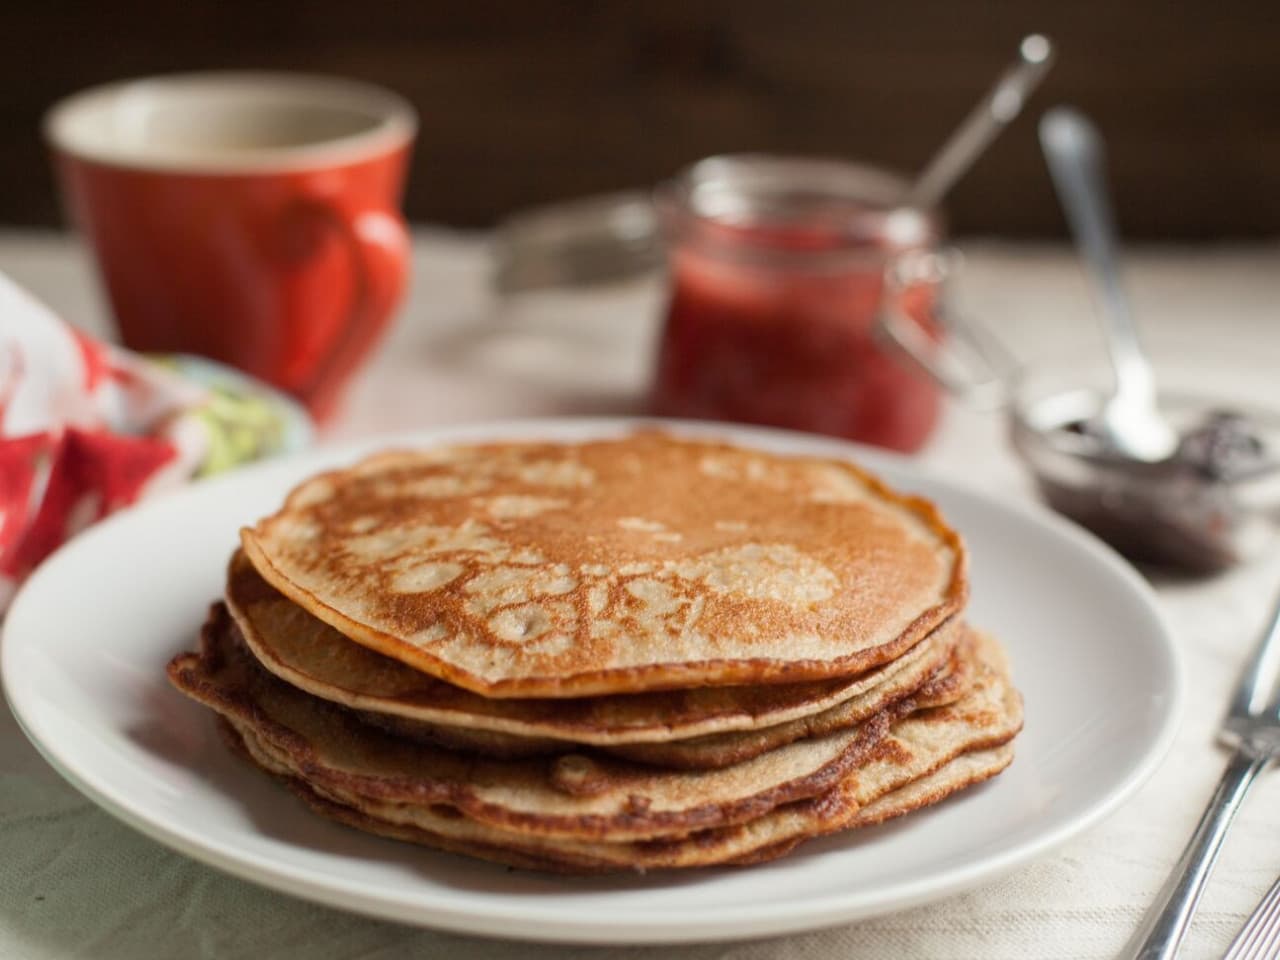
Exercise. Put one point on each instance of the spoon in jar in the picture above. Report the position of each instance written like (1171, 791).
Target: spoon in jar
(994, 112)
(1129, 423)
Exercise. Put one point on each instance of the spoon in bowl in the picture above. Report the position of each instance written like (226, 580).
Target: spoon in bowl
(1129, 423)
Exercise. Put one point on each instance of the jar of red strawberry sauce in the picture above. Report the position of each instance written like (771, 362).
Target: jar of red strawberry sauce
(802, 295)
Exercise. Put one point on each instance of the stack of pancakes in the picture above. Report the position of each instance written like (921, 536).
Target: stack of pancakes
(633, 653)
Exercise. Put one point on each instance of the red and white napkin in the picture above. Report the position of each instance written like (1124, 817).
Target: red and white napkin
(87, 428)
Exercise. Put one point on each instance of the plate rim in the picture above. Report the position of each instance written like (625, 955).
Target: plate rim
(526, 920)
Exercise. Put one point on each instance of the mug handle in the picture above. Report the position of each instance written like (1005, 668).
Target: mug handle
(378, 245)
(974, 365)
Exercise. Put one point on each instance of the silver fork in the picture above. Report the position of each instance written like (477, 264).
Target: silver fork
(1259, 938)
(1252, 727)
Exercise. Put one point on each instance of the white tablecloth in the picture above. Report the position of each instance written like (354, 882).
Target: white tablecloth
(76, 883)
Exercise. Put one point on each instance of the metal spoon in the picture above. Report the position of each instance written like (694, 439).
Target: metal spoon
(994, 112)
(1129, 422)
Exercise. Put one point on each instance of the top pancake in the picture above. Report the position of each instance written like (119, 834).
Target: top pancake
(644, 562)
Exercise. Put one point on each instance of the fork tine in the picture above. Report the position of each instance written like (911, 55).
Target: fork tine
(1253, 940)
(1265, 934)
(1260, 935)
(1271, 946)
(1257, 947)
(1271, 935)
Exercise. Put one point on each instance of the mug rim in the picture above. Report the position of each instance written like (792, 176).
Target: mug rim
(395, 122)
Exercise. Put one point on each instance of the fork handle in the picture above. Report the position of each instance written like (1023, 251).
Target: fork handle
(1165, 924)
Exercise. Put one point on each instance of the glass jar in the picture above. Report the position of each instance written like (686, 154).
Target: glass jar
(799, 292)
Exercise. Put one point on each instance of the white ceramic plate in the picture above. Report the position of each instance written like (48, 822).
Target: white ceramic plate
(87, 640)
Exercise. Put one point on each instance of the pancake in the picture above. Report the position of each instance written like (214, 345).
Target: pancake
(927, 756)
(944, 685)
(571, 795)
(766, 838)
(947, 684)
(311, 655)
(953, 776)
(645, 562)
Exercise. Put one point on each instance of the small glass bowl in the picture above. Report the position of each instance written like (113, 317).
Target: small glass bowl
(1197, 513)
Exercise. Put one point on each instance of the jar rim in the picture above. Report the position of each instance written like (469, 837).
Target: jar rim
(861, 208)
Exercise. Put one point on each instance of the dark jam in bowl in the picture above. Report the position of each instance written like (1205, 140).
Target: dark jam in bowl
(774, 323)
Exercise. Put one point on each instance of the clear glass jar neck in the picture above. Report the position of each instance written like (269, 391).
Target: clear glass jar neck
(792, 210)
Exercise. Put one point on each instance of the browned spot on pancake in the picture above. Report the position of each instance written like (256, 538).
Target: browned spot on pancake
(578, 776)
(977, 717)
(892, 752)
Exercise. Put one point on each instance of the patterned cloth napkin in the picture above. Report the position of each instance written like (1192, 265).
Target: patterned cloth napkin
(87, 428)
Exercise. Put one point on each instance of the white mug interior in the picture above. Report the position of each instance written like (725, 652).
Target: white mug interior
(230, 122)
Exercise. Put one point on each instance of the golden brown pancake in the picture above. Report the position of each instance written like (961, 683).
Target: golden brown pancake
(953, 776)
(640, 563)
(572, 795)
(636, 653)
(927, 756)
(311, 655)
(735, 846)
(944, 685)
(947, 684)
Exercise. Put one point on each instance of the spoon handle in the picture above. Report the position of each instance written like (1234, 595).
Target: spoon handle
(1073, 150)
(996, 111)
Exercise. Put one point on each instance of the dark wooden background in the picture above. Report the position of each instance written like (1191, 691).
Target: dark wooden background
(528, 101)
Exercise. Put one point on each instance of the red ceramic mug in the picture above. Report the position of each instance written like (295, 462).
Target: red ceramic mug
(248, 217)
